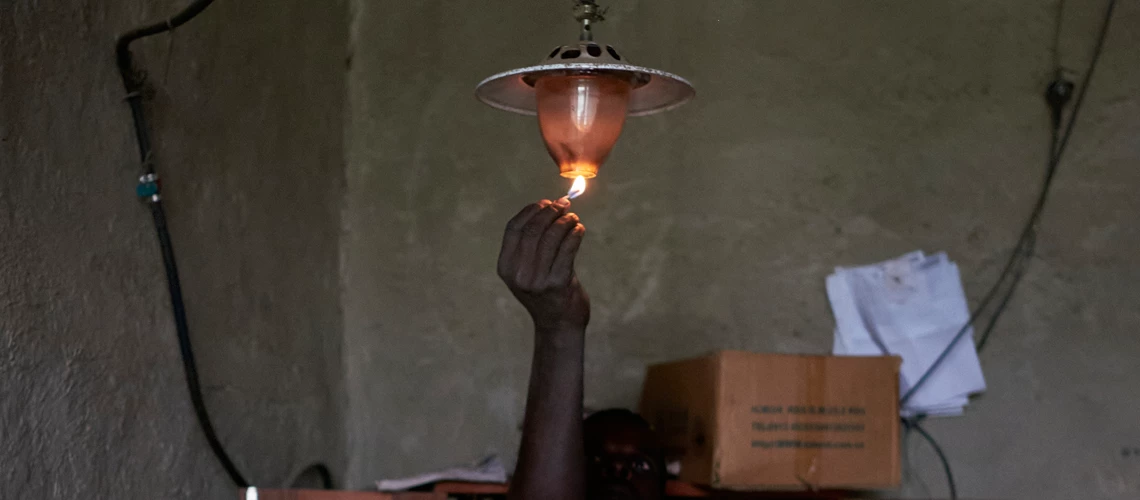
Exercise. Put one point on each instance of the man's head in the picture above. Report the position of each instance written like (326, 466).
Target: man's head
(624, 461)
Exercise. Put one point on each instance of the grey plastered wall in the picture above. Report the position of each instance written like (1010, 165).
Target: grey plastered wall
(247, 116)
(824, 133)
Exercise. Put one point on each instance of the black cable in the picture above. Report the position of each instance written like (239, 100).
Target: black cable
(1027, 244)
(123, 44)
(189, 366)
(1056, 94)
(326, 476)
(914, 424)
(1058, 17)
(984, 337)
(148, 188)
(908, 466)
(1085, 82)
(322, 473)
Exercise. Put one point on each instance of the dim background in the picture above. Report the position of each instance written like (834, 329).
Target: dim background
(337, 197)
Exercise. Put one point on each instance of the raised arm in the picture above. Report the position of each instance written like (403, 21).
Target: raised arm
(537, 264)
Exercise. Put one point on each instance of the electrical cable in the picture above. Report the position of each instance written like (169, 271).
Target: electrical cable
(913, 424)
(148, 189)
(984, 337)
(1058, 17)
(320, 470)
(1057, 95)
(1027, 244)
(908, 463)
(1085, 83)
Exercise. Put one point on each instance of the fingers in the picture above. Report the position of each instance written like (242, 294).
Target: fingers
(539, 246)
(563, 267)
(513, 234)
(532, 233)
(549, 245)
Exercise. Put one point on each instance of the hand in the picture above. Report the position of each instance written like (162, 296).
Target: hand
(537, 264)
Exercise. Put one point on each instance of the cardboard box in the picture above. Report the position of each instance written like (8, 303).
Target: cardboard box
(747, 421)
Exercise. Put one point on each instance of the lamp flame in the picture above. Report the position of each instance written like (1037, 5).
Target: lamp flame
(577, 188)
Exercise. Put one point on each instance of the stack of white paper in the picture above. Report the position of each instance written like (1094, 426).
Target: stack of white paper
(911, 307)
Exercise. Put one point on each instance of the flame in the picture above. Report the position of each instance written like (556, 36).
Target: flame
(577, 188)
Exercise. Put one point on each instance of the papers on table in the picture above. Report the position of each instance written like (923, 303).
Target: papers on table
(912, 307)
(490, 470)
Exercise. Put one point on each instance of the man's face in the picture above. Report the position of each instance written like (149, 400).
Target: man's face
(622, 463)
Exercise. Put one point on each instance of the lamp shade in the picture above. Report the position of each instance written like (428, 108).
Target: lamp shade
(582, 93)
(653, 91)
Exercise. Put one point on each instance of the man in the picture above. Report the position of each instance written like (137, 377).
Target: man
(613, 455)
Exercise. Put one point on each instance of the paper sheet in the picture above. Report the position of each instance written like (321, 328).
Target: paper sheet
(912, 307)
(489, 470)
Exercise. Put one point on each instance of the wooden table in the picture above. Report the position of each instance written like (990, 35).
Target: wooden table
(266, 494)
(445, 490)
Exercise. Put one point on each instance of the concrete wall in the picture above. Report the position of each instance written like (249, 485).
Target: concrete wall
(247, 113)
(824, 133)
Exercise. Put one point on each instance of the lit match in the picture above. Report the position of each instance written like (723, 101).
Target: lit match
(577, 188)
